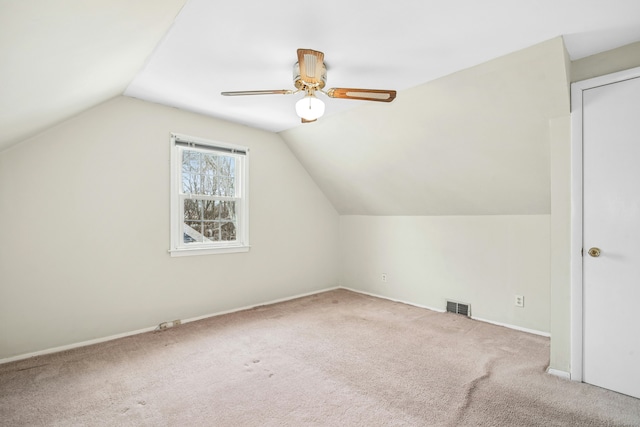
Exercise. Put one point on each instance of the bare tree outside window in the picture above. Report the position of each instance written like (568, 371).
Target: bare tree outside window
(209, 180)
(209, 197)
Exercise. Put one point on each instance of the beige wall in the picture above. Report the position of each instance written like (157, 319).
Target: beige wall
(470, 156)
(475, 142)
(560, 226)
(481, 260)
(94, 268)
(611, 61)
(85, 229)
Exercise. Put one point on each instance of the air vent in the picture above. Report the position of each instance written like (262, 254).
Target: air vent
(459, 308)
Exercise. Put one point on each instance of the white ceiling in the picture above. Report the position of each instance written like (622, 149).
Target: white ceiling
(219, 46)
(60, 57)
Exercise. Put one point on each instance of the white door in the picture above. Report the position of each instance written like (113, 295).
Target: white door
(611, 215)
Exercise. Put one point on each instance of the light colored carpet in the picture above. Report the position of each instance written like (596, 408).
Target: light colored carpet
(334, 359)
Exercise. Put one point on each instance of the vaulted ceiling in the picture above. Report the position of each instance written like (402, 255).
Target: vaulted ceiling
(445, 58)
(59, 57)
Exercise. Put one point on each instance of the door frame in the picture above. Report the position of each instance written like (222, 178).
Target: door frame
(577, 312)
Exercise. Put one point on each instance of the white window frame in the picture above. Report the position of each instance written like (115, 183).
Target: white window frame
(241, 154)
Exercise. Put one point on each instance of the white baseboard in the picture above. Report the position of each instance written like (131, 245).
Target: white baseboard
(75, 345)
(506, 325)
(150, 328)
(249, 307)
(517, 328)
(439, 310)
(558, 373)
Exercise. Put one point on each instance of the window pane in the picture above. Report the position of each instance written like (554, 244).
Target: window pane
(191, 183)
(232, 168)
(209, 211)
(208, 174)
(216, 209)
(228, 211)
(226, 187)
(227, 166)
(232, 211)
(190, 161)
(192, 231)
(228, 231)
(211, 231)
(210, 184)
(192, 210)
(210, 164)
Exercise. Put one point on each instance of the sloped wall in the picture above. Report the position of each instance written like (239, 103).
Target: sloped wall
(448, 189)
(472, 143)
(85, 229)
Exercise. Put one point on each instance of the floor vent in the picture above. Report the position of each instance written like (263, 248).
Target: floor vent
(459, 308)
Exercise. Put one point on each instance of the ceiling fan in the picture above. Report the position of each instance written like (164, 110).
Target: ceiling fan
(310, 77)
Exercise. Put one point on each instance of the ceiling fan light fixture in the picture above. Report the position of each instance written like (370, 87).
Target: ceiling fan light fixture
(310, 77)
(310, 108)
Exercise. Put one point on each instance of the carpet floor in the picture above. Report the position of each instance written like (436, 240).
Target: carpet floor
(338, 358)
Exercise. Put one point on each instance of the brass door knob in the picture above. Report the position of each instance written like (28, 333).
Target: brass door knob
(594, 252)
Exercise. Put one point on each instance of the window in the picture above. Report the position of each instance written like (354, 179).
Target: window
(209, 198)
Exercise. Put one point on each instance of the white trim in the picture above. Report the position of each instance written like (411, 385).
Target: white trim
(76, 345)
(517, 328)
(577, 314)
(249, 307)
(575, 259)
(209, 251)
(211, 143)
(153, 328)
(558, 373)
(439, 310)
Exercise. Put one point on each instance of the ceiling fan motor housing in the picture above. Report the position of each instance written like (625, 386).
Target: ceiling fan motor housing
(299, 83)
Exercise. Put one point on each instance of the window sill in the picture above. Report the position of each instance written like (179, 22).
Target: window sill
(208, 251)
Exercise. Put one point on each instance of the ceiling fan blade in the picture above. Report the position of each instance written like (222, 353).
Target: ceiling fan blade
(363, 94)
(258, 92)
(312, 69)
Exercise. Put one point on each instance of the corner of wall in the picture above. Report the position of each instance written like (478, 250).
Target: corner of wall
(560, 242)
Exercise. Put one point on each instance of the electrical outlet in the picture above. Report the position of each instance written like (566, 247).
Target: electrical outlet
(519, 301)
(166, 325)
(384, 277)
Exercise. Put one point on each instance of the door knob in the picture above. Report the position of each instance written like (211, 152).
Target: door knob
(594, 252)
